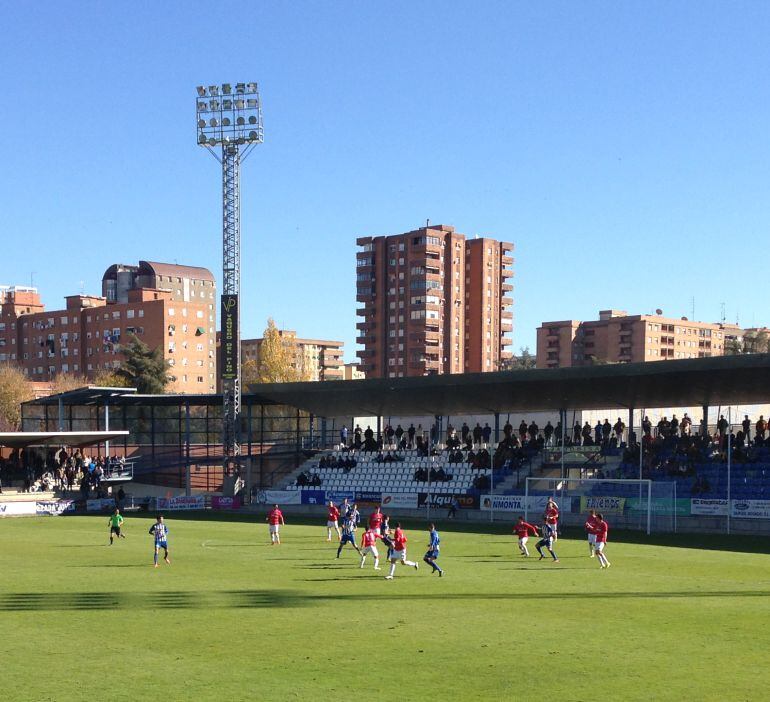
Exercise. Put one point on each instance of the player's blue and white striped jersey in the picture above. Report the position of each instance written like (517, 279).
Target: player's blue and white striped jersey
(434, 540)
(348, 527)
(160, 531)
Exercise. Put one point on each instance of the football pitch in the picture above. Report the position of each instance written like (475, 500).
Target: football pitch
(233, 618)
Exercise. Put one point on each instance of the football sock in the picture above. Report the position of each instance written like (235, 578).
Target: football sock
(392, 569)
(376, 562)
(156, 558)
(339, 550)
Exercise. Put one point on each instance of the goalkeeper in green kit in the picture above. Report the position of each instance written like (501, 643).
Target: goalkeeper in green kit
(116, 522)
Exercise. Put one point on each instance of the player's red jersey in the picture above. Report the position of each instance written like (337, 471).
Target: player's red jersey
(375, 519)
(334, 514)
(590, 524)
(275, 516)
(552, 515)
(369, 538)
(601, 530)
(522, 529)
(399, 540)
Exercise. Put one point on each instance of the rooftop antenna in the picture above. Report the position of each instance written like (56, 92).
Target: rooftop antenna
(724, 315)
(427, 223)
(692, 308)
(32, 279)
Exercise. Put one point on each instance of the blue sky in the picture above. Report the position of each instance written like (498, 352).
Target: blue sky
(623, 147)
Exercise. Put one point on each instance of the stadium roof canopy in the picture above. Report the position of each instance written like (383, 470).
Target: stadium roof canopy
(22, 439)
(715, 381)
(723, 380)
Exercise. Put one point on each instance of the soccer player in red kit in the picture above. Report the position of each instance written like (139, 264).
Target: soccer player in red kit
(375, 520)
(369, 545)
(522, 530)
(590, 527)
(275, 520)
(399, 552)
(552, 517)
(601, 530)
(332, 516)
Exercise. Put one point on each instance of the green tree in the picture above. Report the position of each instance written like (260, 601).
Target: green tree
(524, 361)
(280, 360)
(15, 388)
(105, 378)
(144, 368)
(753, 341)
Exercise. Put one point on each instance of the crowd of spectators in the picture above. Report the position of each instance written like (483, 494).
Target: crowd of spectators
(308, 479)
(61, 470)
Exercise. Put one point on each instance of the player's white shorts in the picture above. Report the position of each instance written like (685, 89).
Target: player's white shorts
(331, 525)
(398, 555)
(370, 549)
(274, 528)
(600, 546)
(592, 538)
(523, 540)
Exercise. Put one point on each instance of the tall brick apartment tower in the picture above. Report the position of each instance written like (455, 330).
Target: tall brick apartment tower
(433, 302)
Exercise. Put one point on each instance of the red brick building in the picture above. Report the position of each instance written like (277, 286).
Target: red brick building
(167, 306)
(433, 302)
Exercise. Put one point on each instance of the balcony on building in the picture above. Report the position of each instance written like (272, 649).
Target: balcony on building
(506, 287)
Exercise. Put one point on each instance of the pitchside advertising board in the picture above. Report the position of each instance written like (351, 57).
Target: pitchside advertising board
(279, 497)
(443, 500)
(512, 503)
(399, 500)
(181, 502)
(225, 502)
(42, 507)
(751, 509)
(716, 508)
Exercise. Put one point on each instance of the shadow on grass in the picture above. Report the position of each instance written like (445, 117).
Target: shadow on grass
(262, 599)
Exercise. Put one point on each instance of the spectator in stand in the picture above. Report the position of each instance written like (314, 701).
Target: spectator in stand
(507, 429)
(548, 432)
(685, 425)
(390, 433)
(477, 434)
(344, 435)
(746, 424)
(722, 428)
(586, 434)
(576, 433)
(760, 429)
(410, 433)
(464, 431)
(486, 433)
(523, 431)
(674, 426)
(399, 435)
(606, 431)
(619, 428)
(647, 426)
(533, 430)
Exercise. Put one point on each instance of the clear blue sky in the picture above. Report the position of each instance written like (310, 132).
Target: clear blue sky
(623, 147)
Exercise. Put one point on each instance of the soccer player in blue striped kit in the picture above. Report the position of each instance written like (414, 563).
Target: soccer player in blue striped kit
(433, 550)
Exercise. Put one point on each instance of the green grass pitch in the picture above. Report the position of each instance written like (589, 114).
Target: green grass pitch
(675, 618)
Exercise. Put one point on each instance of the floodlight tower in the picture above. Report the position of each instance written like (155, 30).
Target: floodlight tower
(230, 118)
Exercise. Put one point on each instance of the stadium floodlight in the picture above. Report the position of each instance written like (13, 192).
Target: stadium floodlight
(236, 126)
(201, 91)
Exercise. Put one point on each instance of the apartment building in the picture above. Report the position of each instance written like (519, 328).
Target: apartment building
(86, 336)
(433, 301)
(617, 337)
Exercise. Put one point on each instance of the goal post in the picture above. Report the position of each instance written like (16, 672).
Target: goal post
(645, 505)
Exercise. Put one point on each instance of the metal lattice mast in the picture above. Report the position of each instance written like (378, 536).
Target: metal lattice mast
(231, 285)
(231, 119)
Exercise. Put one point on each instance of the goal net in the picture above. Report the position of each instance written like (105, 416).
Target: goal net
(646, 505)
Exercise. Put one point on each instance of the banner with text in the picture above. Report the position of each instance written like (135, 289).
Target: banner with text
(708, 507)
(181, 502)
(225, 502)
(399, 500)
(54, 507)
(279, 497)
(339, 497)
(15, 509)
(443, 500)
(751, 509)
(229, 338)
(100, 505)
(313, 497)
(611, 505)
(512, 503)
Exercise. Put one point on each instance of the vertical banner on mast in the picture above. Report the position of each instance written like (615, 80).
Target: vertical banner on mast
(229, 337)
